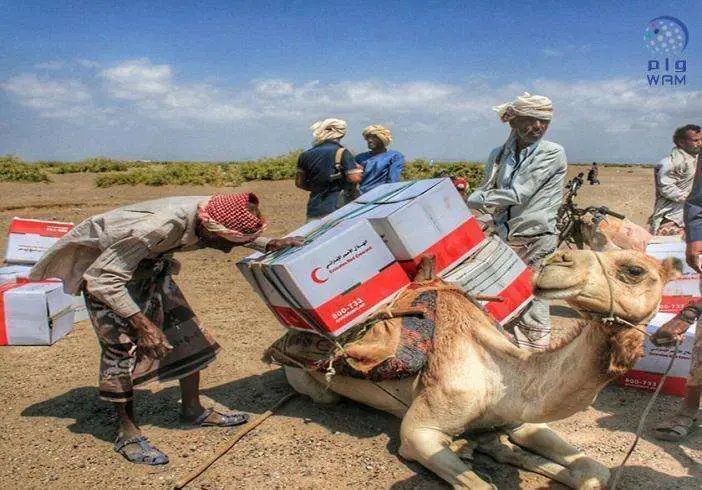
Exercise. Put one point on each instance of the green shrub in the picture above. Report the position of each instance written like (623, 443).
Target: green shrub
(171, 174)
(13, 169)
(91, 165)
(420, 169)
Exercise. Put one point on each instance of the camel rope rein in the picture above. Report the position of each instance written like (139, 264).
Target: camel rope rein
(227, 445)
(613, 319)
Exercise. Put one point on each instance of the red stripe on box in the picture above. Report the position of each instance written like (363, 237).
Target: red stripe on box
(36, 227)
(5, 288)
(643, 380)
(673, 304)
(514, 296)
(289, 317)
(450, 248)
(339, 312)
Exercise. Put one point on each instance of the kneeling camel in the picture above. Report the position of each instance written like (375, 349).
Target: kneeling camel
(475, 379)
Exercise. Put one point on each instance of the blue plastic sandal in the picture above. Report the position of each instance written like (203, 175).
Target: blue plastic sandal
(147, 453)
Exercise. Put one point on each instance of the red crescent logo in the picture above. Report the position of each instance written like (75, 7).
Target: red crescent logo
(315, 276)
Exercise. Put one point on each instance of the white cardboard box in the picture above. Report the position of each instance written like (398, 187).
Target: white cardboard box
(29, 239)
(494, 269)
(18, 274)
(80, 309)
(11, 274)
(647, 373)
(37, 313)
(416, 218)
(333, 282)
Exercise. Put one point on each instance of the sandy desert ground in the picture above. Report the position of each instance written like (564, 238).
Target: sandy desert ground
(54, 433)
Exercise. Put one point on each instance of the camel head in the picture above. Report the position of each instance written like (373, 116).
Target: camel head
(626, 283)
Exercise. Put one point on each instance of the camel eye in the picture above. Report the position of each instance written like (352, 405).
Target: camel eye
(634, 270)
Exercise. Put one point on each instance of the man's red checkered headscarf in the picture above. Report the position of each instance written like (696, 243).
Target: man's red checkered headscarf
(228, 216)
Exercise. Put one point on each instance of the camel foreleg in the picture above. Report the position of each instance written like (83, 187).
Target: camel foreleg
(586, 472)
(430, 447)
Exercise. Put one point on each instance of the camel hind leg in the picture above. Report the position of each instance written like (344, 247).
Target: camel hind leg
(587, 474)
(302, 382)
(499, 448)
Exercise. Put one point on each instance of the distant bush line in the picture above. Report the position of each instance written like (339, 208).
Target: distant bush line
(156, 173)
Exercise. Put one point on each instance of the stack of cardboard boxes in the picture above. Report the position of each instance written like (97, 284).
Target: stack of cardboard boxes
(360, 257)
(34, 313)
(648, 372)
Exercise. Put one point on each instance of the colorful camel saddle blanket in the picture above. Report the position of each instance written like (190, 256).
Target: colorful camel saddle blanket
(394, 344)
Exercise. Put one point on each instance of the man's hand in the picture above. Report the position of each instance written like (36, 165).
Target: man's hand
(692, 255)
(671, 331)
(152, 341)
(278, 243)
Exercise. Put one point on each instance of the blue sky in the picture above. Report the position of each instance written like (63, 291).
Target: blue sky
(232, 80)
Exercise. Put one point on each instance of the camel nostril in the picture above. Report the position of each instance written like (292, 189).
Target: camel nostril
(560, 258)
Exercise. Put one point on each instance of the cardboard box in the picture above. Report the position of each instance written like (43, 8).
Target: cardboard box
(12, 274)
(30, 238)
(416, 218)
(80, 309)
(664, 247)
(343, 275)
(494, 269)
(647, 373)
(37, 313)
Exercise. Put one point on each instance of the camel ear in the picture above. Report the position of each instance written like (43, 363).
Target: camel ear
(672, 268)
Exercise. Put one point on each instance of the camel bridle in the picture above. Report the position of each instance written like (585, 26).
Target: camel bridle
(611, 318)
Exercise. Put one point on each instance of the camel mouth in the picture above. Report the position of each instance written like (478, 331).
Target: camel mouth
(557, 292)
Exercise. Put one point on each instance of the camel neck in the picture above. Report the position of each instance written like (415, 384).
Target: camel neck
(566, 379)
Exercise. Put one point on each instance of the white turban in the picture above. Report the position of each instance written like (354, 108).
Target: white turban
(381, 132)
(536, 106)
(329, 129)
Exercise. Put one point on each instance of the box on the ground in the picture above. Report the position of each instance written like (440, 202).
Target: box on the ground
(18, 274)
(11, 274)
(494, 269)
(80, 309)
(648, 372)
(416, 218)
(664, 247)
(29, 239)
(343, 275)
(35, 313)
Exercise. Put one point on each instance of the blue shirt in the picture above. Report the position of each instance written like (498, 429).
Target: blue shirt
(318, 165)
(380, 168)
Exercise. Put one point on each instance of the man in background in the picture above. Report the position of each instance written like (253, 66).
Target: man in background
(380, 165)
(592, 174)
(674, 176)
(522, 190)
(327, 170)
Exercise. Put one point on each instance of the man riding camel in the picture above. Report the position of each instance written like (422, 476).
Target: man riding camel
(522, 189)
(123, 261)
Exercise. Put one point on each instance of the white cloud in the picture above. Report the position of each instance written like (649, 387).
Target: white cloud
(50, 65)
(51, 97)
(446, 120)
(137, 79)
(88, 63)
